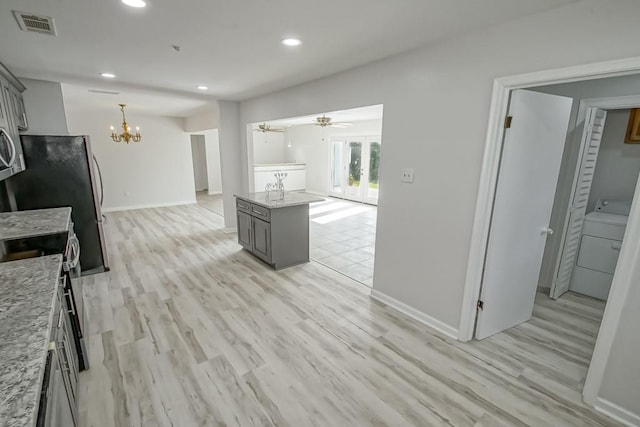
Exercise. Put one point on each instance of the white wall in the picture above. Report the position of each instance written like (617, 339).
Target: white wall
(213, 161)
(234, 158)
(44, 104)
(155, 172)
(202, 121)
(618, 163)
(268, 148)
(199, 161)
(308, 147)
(436, 104)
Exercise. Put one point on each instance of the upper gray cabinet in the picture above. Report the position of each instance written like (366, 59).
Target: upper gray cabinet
(13, 119)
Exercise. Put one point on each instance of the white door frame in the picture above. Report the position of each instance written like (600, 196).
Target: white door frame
(626, 271)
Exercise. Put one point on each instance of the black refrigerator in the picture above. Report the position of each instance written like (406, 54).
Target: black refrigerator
(62, 171)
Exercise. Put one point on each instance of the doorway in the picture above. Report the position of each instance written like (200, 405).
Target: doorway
(626, 272)
(207, 175)
(355, 163)
(199, 160)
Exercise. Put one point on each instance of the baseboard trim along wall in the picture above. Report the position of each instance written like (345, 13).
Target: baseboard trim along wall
(214, 193)
(415, 314)
(152, 205)
(618, 413)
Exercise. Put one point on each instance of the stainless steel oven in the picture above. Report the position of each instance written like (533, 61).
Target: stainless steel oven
(74, 295)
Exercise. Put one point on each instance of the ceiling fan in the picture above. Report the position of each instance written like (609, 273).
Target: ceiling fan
(264, 128)
(325, 121)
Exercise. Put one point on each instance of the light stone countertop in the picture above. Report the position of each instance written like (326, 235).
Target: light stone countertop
(27, 300)
(290, 199)
(41, 222)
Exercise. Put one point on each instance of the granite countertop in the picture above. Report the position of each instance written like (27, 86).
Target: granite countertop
(41, 222)
(27, 300)
(290, 199)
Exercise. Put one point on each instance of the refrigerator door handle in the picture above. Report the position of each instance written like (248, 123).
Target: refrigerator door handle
(12, 149)
(100, 178)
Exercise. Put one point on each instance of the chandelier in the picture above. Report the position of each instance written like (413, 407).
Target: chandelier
(126, 134)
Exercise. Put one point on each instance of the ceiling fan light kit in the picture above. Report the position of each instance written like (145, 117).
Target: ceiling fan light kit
(264, 128)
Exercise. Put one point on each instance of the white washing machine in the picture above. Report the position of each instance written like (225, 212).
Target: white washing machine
(600, 244)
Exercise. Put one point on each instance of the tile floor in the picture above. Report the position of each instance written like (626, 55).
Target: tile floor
(342, 236)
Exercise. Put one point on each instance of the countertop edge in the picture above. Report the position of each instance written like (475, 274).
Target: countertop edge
(252, 199)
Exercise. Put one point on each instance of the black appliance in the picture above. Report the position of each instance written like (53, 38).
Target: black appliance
(62, 171)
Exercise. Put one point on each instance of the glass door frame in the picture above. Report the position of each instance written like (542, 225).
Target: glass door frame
(340, 191)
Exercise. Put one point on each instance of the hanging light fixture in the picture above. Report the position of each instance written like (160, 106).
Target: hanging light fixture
(126, 134)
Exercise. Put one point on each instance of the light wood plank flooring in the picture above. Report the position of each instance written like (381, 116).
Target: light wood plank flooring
(188, 330)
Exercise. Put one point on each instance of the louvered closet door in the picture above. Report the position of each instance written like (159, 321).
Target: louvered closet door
(592, 136)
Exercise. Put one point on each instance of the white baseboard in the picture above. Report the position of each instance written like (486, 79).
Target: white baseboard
(415, 314)
(229, 230)
(151, 205)
(618, 413)
(214, 193)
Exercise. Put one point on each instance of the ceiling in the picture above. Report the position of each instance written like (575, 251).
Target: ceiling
(137, 100)
(373, 112)
(233, 47)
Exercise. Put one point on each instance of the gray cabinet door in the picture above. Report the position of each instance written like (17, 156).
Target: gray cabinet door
(244, 230)
(62, 414)
(262, 239)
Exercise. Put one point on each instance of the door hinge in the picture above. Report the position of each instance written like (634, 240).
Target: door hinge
(507, 122)
(480, 305)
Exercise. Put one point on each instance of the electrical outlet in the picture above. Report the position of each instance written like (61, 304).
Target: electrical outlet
(407, 175)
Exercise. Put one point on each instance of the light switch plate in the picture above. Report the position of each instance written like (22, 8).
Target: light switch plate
(407, 175)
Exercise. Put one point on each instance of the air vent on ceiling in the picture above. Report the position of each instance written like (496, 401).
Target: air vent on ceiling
(104, 92)
(35, 23)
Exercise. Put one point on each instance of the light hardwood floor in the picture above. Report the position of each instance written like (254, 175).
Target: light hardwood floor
(188, 330)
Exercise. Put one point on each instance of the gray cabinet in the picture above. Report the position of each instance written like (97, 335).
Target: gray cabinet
(13, 119)
(58, 400)
(261, 233)
(244, 230)
(278, 236)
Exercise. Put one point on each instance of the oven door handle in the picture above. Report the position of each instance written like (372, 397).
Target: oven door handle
(12, 149)
(74, 244)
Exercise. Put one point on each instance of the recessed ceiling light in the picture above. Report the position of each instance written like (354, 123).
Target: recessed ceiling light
(202, 87)
(135, 3)
(107, 75)
(291, 42)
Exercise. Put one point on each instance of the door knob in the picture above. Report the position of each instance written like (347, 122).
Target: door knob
(547, 230)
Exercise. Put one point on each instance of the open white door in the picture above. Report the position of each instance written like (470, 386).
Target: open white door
(530, 163)
(591, 138)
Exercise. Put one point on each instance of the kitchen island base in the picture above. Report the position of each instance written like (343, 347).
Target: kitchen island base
(276, 232)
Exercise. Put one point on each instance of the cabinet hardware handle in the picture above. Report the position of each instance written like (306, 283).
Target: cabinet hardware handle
(65, 368)
(60, 318)
(73, 310)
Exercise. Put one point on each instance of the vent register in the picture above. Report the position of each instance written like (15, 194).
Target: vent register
(35, 23)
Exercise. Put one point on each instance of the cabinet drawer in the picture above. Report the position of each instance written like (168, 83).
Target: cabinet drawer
(599, 254)
(260, 212)
(243, 205)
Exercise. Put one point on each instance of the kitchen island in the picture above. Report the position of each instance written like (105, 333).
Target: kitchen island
(276, 231)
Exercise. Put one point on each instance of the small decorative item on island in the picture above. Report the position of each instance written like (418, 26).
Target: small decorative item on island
(275, 191)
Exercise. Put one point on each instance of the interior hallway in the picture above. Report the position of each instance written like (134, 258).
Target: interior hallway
(189, 330)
